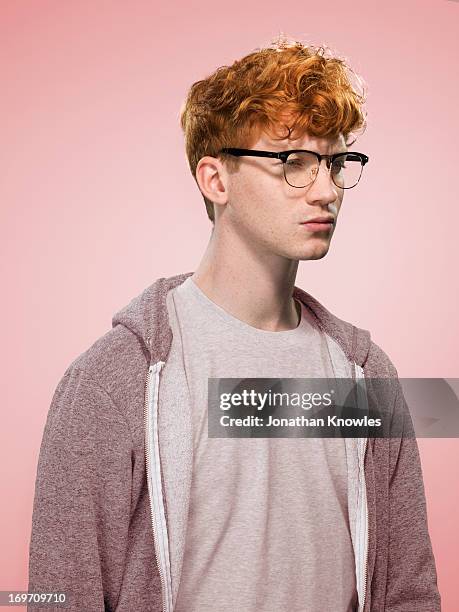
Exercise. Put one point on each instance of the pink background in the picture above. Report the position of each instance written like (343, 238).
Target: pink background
(97, 200)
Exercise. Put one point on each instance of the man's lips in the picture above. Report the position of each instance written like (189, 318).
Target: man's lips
(320, 225)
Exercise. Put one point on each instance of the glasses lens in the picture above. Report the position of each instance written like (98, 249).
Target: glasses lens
(346, 170)
(301, 169)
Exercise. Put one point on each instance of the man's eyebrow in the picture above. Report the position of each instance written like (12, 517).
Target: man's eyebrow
(278, 146)
(313, 150)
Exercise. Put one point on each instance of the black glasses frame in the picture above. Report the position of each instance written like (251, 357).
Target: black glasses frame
(283, 156)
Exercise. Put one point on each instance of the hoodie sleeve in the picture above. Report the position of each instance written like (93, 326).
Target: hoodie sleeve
(82, 498)
(412, 577)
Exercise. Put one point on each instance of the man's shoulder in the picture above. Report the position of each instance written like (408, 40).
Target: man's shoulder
(356, 342)
(111, 357)
(113, 367)
(378, 363)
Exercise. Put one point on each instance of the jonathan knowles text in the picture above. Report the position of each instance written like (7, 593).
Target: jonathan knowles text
(299, 421)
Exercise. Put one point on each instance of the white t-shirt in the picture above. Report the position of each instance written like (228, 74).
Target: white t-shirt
(268, 527)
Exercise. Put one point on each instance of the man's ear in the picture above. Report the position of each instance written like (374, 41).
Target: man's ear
(212, 178)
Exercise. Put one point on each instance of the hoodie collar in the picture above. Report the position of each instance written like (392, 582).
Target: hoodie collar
(146, 316)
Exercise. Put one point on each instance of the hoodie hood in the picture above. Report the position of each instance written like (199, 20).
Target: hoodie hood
(146, 317)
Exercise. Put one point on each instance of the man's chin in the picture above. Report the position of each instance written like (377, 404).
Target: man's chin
(313, 256)
(318, 251)
(303, 252)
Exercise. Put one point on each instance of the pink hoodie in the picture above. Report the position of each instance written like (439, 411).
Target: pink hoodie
(101, 531)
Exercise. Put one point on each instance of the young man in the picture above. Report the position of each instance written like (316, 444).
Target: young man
(136, 507)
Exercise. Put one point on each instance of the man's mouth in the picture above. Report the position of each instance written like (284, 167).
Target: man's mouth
(319, 224)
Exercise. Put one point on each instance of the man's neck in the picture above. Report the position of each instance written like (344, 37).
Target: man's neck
(256, 288)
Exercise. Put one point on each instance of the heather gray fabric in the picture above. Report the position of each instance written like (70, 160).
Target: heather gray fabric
(91, 524)
(291, 501)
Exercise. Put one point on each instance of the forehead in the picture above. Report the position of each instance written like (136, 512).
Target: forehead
(303, 141)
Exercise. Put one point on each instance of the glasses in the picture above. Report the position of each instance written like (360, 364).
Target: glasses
(302, 167)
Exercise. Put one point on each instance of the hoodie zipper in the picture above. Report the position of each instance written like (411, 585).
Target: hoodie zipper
(158, 518)
(363, 505)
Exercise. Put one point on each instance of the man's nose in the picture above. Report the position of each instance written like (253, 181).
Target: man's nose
(323, 185)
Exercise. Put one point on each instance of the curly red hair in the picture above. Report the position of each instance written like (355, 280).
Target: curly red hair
(285, 82)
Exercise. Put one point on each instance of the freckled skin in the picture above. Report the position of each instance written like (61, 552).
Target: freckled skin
(251, 261)
(266, 212)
